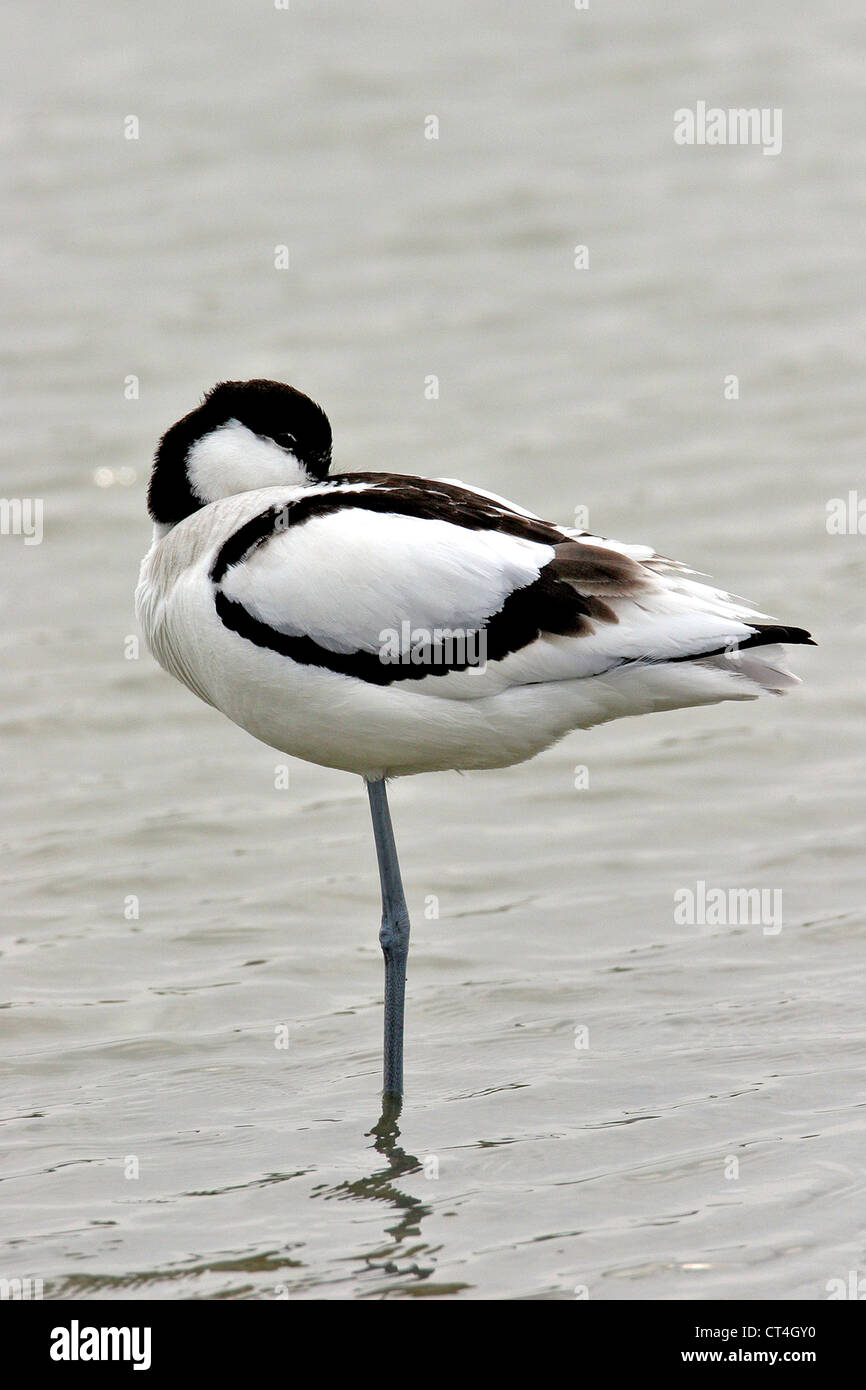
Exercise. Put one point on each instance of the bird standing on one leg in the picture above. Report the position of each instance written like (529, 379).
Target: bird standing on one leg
(387, 624)
(393, 938)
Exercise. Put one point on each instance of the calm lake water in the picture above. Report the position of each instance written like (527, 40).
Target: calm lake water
(599, 1097)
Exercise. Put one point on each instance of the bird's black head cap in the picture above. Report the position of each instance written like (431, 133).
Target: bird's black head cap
(269, 409)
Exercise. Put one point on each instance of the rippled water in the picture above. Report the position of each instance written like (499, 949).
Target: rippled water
(148, 1042)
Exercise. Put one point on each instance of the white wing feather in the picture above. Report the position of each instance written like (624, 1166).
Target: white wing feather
(347, 577)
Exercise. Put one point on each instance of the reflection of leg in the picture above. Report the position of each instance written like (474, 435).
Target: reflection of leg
(393, 938)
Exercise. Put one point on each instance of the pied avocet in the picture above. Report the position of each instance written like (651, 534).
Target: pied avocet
(387, 624)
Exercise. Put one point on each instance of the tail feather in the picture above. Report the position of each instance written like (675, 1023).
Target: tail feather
(764, 668)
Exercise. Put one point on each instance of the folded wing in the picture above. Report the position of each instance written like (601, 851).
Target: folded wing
(373, 580)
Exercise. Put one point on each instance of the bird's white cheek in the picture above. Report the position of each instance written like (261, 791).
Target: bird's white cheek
(232, 459)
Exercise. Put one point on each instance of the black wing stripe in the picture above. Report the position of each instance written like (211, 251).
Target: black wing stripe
(551, 604)
(567, 599)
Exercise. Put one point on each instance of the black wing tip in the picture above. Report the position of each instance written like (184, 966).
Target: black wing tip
(765, 633)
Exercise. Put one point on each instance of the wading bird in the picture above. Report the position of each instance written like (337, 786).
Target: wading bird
(386, 624)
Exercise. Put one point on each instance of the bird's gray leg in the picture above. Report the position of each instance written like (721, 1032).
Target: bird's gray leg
(393, 937)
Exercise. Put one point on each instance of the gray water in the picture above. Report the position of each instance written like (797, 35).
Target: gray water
(167, 907)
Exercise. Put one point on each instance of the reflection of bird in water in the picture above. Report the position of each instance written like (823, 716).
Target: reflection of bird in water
(382, 1186)
(387, 624)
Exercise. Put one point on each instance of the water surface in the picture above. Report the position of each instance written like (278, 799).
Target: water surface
(167, 908)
